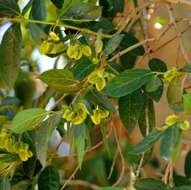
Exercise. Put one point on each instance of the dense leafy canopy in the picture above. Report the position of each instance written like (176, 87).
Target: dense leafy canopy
(73, 125)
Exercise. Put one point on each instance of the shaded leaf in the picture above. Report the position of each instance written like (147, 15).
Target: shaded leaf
(49, 179)
(130, 108)
(80, 10)
(38, 11)
(41, 141)
(147, 142)
(187, 102)
(10, 56)
(174, 95)
(168, 142)
(150, 184)
(129, 40)
(4, 183)
(24, 184)
(80, 138)
(111, 188)
(97, 98)
(186, 69)
(59, 79)
(127, 82)
(156, 94)
(83, 68)
(187, 165)
(28, 119)
(113, 44)
(58, 3)
(9, 8)
(157, 65)
(147, 119)
(153, 85)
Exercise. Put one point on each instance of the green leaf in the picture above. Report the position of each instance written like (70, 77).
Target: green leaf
(150, 184)
(60, 79)
(147, 142)
(113, 44)
(181, 188)
(58, 3)
(147, 119)
(168, 142)
(97, 98)
(130, 108)
(9, 8)
(49, 179)
(25, 88)
(4, 183)
(186, 69)
(28, 119)
(129, 40)
(10, 56)
(174, 95)
(80, 139)
(127, 82)
(157, 65)
(187, 102)
(8, 157)
(112, 188)
(41, 141)
(38, 11)
(187, 165)
(24, 184)
(112, 7)
(180, 181)
(154, 88)
(153, 85)
(83, 68)
(85, 11)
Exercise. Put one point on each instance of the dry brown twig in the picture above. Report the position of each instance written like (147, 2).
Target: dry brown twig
(122, 159)
(179, 35)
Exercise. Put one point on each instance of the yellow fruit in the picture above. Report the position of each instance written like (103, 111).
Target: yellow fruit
(45, 47)
(86, 50)
(23, 152)
(95, 60)
(185, 125)
(98, 46)
(57, 48)
(100, 84)
(80, 111)
(104, 113)
(171, 120)
(74, 52)
(54, 36)
(97, 78)
(96, 117)
(172, 74)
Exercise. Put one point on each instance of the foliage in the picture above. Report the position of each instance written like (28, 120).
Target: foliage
(100, 98)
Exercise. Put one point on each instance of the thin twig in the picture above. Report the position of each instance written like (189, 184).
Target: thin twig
(113, 164)
(83, 30)
(179, 35)
(122, 159)
(70, 178)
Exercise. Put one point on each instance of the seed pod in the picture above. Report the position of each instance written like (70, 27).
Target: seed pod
(100, 84)
(54, 36)
(96, 117)
(171, 120)
(86, 50)
(185, 125)
(98, 46)
(74, 52)
(45, 47)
